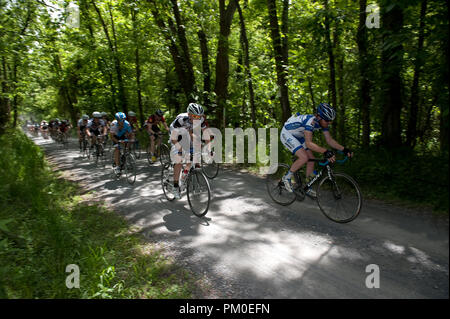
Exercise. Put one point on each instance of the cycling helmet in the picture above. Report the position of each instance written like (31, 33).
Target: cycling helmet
(131, 113)
(57, 120)
(195, 109)
(326, 112)
(85, 117)
(159, 113)
(104, 114)
(120, 116)
(96, 115)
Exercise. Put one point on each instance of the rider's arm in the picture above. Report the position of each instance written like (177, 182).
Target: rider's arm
(330, 141)
(311, 145)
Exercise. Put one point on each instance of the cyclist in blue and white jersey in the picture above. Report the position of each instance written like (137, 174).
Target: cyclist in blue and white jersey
(120, 130)
(297, 134)
(186, 121)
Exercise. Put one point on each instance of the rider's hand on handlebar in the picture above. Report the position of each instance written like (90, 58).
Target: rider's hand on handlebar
(347, 152)
(329, 155)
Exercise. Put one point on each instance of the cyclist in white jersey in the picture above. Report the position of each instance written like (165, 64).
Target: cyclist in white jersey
(184, 121)
(297, 134)
(96, 127)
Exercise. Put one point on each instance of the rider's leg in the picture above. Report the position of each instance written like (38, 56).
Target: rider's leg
(309, 165)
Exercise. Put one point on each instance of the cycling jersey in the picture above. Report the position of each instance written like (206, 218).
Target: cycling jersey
(293, 136)
(120, 133)
(182, 121)
(92, 126)
(81, 124)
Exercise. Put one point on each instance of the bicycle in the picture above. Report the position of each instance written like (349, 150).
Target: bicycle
(211, 168)
(99, 152)
(336, 192)
(196, 184)
(161, 150)
(135, 148)
(85, 150)
(127, 162)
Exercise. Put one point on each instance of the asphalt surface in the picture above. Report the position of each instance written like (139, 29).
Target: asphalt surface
(247, 246)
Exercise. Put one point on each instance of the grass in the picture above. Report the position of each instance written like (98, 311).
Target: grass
(45, 225)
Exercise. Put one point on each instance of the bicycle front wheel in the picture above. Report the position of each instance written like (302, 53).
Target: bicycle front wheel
(210, 169)
(164, 155)
(167, 182)
(130, 169)
(198, 193)
(339, 198)
(275, 186)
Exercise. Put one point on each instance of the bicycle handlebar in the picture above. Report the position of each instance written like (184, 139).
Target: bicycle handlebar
(325, 162)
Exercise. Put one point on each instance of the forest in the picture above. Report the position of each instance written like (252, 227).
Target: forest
(384, 67)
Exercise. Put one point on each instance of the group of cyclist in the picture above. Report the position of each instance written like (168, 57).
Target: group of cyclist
(296, 136)
(54, 128)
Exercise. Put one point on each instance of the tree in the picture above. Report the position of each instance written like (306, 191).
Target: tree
(280, 63)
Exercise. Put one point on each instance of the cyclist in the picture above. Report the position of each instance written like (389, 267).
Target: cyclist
(120, 130)
(184, 120)
(153, 130)
(107, 123)
(65, 126)
(44, 129)
(296, 136)
(81, 128)
(132, 119)
(95, 128)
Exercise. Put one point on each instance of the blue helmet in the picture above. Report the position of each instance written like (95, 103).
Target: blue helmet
(326, 112)
(120, 116)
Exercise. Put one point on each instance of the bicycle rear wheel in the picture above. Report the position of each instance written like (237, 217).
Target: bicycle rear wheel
(198, 192)
(130, 169)
(275, 186)
(167, 181)
(339, 199)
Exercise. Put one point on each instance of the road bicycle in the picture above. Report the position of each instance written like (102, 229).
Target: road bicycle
(85, 149)
(62, 138)
(162, 151)
(135, 148)
(195, 184)
(127, 162)
(211, 167)
(99, 154)
(338, 195)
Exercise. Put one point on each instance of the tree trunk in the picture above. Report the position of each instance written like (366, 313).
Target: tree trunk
(4, 101)
(245, 47)
(330, 59)
(122, 97)
(222, 61)
(137, 66)
(180, 69)
(279, 61)
(101, 63)
(205, 67)
(444, 118)
(392, 86)
(364, 90)
(181, 35)
(340, 123)
(411, 134)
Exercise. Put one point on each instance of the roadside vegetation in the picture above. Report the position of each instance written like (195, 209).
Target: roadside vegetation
(46, 224)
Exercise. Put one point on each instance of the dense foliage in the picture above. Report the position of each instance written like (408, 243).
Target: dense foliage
(251, 63)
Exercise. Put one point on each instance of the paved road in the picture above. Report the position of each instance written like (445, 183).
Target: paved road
(249, 247)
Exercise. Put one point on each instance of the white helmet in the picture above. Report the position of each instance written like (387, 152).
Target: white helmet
(85, 117)
(195, 109)
(96, 115)
(131, 113)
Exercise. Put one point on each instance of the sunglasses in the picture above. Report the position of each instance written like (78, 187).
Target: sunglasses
(196, 116)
